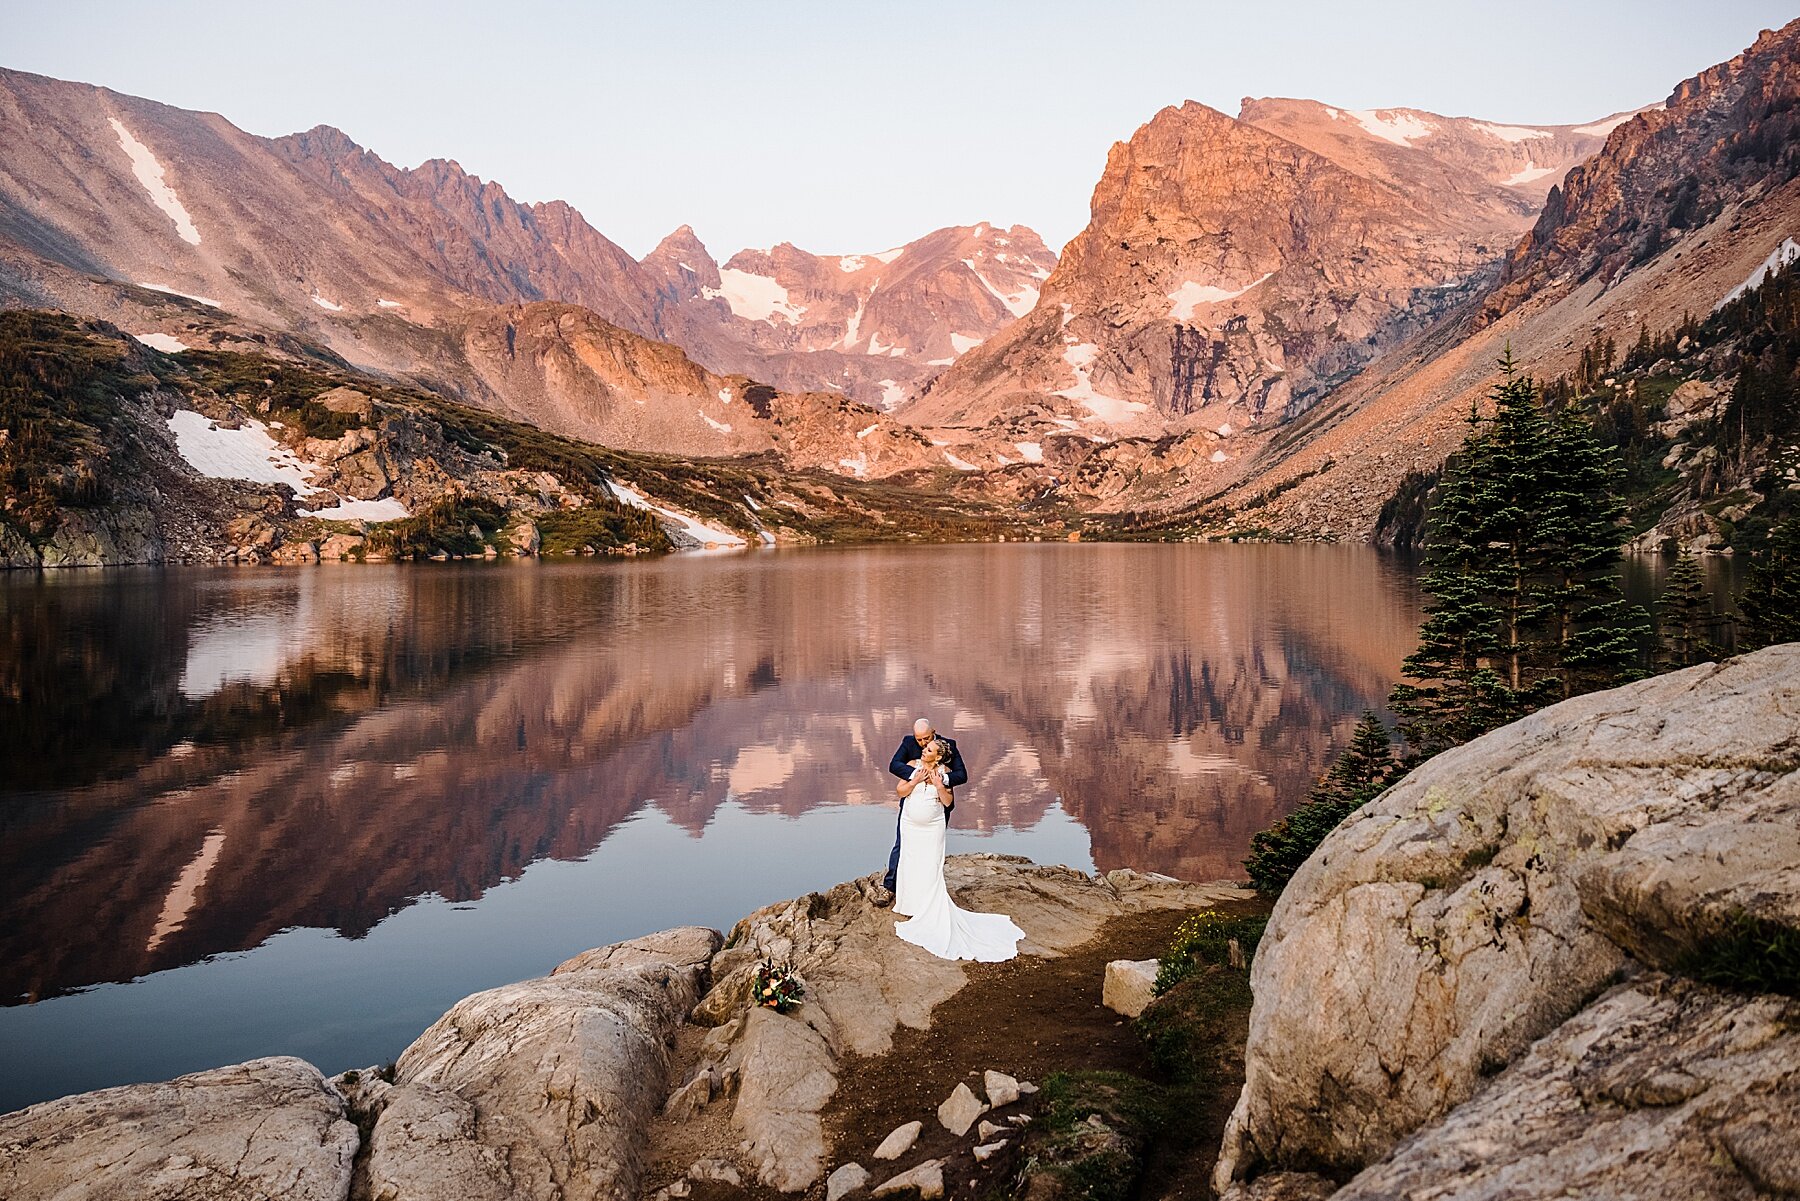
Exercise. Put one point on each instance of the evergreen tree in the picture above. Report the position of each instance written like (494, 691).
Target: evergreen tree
(1364, 770)
(1770, 601)
(1684, 618)
(1522, 574)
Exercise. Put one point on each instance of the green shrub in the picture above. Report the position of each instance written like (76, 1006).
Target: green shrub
(1205, 938)
(456, 525)
(1194, 1028)
(1361, 774)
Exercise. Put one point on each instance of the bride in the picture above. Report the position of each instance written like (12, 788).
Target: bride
(935, 922)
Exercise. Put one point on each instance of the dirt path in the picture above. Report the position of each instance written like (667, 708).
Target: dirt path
(1028, 1017)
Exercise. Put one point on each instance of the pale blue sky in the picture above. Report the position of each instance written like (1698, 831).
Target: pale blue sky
(848, 126)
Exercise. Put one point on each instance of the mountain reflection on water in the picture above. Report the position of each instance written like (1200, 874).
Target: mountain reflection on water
(201, 760)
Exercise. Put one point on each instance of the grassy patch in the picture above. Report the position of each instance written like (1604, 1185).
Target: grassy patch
(64, 443)
(1092, 1133)
(603, 524)
(1203, 939)
(456, 525)
(1749, 954)
(1195, 1030)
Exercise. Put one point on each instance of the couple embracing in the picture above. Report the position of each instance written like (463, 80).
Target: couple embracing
(930, 769)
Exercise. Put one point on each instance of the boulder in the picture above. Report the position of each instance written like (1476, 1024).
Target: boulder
(927, 1180)
(785, 1076)
(1662, 1088)
(959, 1110)
(103, 538)
(266, 1128)
(850, 1178)
(1130, 986)
(1483, 900)
(15, 549)
(1001, 1089)
(348, 401)
(986, 1151)
(562, 1073)
(899, 1141)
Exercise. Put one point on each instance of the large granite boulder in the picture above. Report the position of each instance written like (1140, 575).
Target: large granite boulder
(1660, 1089)
(1489, 896)
(252, 1131)
(541, 1089)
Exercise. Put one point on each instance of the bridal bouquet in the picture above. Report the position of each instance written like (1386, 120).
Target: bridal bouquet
(777, 987)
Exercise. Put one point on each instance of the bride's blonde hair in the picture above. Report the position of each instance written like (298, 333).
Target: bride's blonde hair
(935, 751)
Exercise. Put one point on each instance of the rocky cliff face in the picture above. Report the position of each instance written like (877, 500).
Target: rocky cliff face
(1439, 1002)
(1235, 270)
(1724, 136)
(1683, 206)
(871, 326)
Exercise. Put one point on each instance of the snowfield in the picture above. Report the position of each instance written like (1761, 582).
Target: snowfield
(1031, 452)
(680, 523)
(722, 427)
(247, 453)
(963, 343)
(167, 343)
(1530, 174)
(1080, 357)
(1392, 124)
(754, 297)
(388, 508)
(328, 305)
(1190, 295)
(1510, 133)
(208, 301)
(149, 173)
(1778, 260)
(1018, 303)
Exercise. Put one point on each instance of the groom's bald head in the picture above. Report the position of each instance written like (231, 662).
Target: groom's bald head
(922, 729)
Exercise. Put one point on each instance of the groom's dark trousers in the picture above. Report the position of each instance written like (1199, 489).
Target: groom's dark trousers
(901, 768)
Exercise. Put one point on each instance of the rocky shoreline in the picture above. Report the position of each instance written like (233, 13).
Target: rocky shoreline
(1561, 960)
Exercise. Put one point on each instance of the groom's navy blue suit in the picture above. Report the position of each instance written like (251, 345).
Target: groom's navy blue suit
(901, 767)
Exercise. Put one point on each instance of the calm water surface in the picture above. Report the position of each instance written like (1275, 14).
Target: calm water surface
(255, 812)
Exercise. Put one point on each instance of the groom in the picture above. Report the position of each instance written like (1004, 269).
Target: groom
(911, 747)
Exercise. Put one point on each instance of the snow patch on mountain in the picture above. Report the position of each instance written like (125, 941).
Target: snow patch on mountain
(208, 301)
(388, 508)
(963, 343)
(1031, 452)
(245, 453)
(1509, 133)
(1600, 129)
(167, 343)
(721, 426)
(149, 173)
(1017, 303)
(1530, 174)
(689, 528)
(1190, 295)
(959, 464)
(330, 306)
(851, 263)
(888, 256)
(1080, 357)
(891, 393)
(1392, 124)
(754, 297)
(389, 304)
(1778, 260)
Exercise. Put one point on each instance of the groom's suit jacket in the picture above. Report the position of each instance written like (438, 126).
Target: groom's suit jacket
(910, 750)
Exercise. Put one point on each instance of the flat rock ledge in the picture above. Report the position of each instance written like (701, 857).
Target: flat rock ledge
(557, 1088)
(1482, 984)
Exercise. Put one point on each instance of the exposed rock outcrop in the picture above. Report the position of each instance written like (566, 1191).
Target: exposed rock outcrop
(550, 1082)
(266, 1128)
(1484, 901)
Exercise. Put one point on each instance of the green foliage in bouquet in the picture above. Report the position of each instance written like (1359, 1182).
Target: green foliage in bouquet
(777, 987)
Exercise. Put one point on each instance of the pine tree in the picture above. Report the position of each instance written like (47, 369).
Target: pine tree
(1522, 573)
(1361, 773)
(1684, 618)
(1770, 601)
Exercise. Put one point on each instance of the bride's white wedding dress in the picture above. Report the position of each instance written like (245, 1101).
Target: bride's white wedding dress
(935, 922)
